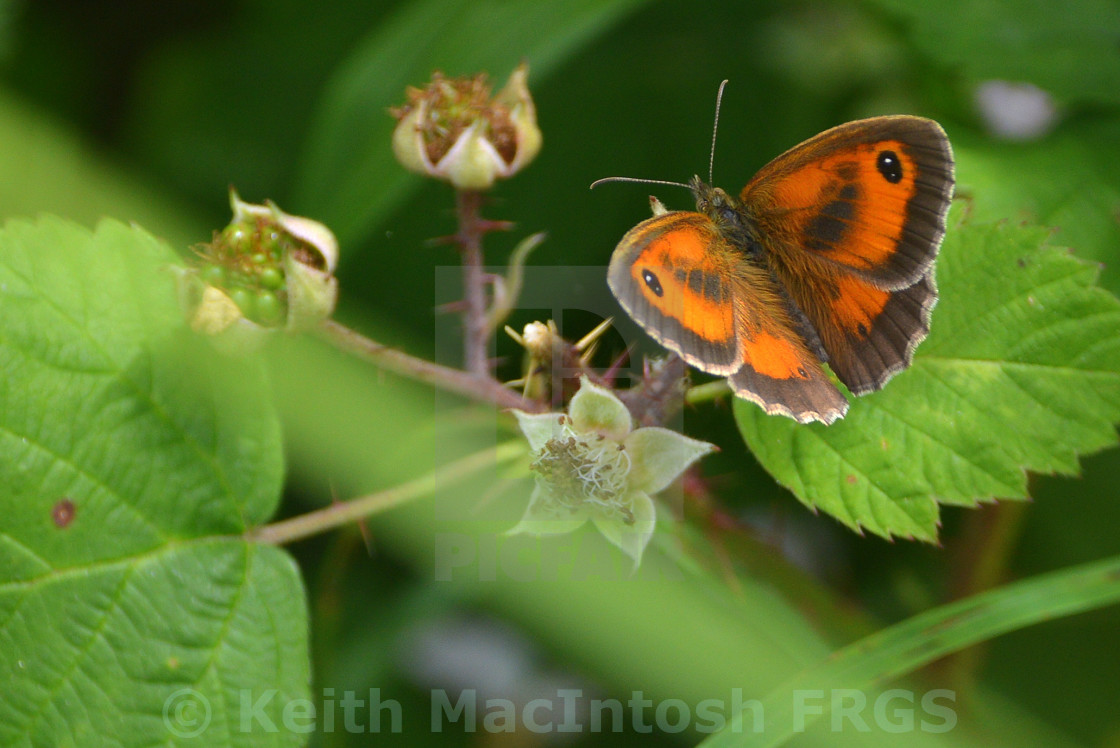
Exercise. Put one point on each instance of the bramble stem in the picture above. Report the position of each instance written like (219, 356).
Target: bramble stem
(482, 388)
(476, 331)
(658, 397)
(345, 512)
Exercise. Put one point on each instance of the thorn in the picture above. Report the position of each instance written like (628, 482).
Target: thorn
(363, 525)
(612, 370)
(595, 334)
(485, 225)
(441, 241)
(452, 307)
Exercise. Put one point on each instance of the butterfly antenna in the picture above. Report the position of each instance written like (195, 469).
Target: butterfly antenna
(598, 182)
(715, 129)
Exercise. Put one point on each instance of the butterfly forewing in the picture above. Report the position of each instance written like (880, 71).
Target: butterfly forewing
(671, 276)
(868, 196)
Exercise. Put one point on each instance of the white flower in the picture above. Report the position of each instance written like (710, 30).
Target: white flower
(592, 465)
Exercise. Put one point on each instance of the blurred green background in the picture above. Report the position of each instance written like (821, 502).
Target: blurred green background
(149, 111)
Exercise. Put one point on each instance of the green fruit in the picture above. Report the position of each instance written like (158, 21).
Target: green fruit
(237, 236)
(214, 275)
(244, 300)
(272, 277)
(269, 308)
(271, 244)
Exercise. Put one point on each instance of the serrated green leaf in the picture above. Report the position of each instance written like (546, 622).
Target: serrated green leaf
(1021, 371)
(133, 457)
(1080, 196)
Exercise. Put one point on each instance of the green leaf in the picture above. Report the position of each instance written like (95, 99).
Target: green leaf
(1080, 195)
(1021, 372)
(133, 458)
(349, 178)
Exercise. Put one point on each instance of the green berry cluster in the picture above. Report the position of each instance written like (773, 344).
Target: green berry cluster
(246, 260)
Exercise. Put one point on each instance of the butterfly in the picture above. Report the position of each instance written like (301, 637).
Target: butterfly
(826, 256)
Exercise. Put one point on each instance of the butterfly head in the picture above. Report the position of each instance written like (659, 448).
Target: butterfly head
(713, 202)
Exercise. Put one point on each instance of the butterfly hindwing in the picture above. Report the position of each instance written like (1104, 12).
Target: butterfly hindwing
(869, 334)
(778, 370)
(864, 358)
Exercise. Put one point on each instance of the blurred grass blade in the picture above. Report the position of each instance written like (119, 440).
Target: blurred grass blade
(907, 646)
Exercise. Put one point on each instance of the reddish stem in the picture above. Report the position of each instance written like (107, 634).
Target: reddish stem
(469, 237)
(483, 389)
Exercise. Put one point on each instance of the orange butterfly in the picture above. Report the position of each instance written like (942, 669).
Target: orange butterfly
(826, 256)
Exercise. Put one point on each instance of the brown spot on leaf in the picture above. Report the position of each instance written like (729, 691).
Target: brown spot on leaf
(63, 512)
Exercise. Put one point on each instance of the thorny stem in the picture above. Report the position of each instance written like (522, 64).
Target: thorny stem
(476, 331)
(482, 388)
(659, 396)
(345, 512)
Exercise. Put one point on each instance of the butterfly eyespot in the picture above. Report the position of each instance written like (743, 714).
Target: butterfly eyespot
(653, 283)
(889, 166)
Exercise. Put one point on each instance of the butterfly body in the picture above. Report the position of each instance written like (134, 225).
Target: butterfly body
(826, 256)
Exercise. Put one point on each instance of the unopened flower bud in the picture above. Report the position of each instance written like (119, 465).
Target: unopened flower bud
(455, 131)
(266, 270)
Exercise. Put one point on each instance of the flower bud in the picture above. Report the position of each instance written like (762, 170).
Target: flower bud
(453, 130)
(266, 270)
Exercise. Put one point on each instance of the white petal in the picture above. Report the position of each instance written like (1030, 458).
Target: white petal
(312, 233)
(472, 163)
(243, 210)
(595, 409)
(408, 142)
(312, 294)
(543, 517)
(659, 455)
(631, 539)
(539, 427)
